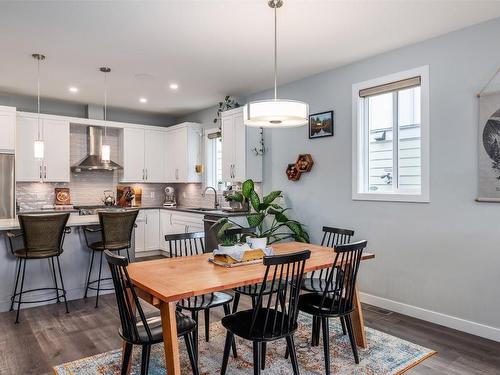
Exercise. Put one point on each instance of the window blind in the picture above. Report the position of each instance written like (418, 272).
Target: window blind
(390, 87)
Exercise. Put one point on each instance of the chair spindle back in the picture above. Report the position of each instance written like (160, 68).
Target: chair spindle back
(126, 298)
(279, 310)
(338, 296)
(185, 244)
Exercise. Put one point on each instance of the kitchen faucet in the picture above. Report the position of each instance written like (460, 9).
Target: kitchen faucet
(216, 201)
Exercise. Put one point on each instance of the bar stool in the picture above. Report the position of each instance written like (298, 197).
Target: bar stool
(43, 238)
(116, 234)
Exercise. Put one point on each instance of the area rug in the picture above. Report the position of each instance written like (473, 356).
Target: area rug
(385, 354)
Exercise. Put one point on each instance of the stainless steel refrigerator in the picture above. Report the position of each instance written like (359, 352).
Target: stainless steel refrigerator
(7, 187)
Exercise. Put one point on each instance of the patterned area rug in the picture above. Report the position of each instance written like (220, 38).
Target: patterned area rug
(386, 354)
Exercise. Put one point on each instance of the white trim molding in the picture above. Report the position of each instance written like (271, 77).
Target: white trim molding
(359, 139)
(478, 329)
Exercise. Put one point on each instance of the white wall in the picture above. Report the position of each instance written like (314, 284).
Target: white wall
(443, 256)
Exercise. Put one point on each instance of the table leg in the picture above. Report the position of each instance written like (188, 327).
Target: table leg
(358, 322)
(170, 343)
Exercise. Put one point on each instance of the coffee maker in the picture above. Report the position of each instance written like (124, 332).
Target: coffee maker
(169, 197)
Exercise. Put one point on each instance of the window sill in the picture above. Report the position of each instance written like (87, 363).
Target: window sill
(409, 198)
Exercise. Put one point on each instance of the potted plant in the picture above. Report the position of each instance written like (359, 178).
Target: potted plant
(267, 216)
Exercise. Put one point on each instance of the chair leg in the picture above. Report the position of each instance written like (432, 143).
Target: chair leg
(192, 356)
(146, 350)
(207, 324)
(318, 330)
(126, 358)
(90, 272)
(236, 301)
(62, 285)
(98, 282)
(21, 291)
(194, 315)
(263, 358)
(254, 302)
(350, 331)
(51, 260)
(128, 255)
(15, 285)
(326, 344)
(227, 349)
(227, 311)
(293, 354)
(257, 357)
(342, 322)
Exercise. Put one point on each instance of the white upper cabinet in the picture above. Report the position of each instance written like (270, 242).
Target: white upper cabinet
(182, 152)
(143, 155)
(239, 160)
(56, 160)
(154, 156)
(55, 165)
(7, 129)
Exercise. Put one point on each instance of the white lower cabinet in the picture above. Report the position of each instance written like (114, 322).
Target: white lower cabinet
(147, 232)
(172, 222)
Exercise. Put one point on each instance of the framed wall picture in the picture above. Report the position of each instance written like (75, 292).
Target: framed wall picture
(321, 125)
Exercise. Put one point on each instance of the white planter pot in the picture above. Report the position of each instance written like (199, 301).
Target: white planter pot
(257, 243)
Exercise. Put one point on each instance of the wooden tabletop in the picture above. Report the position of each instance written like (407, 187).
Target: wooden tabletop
(173, 279)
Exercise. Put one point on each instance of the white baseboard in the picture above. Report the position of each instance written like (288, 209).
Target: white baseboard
(459, 324)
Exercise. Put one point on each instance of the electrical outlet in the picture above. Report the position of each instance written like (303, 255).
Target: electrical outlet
(152, 195)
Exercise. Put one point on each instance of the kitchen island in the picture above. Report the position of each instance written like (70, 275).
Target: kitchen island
(74, 260)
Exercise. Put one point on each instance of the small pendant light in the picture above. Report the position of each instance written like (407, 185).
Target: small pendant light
(105, 148)
(276, 113)
(39, 146)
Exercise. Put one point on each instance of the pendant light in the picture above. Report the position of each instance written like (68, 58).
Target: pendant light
(105, 148)
(276, 113)
(39, 146)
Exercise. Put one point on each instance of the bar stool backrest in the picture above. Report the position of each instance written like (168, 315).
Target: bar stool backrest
(117, 227)
(43, 233)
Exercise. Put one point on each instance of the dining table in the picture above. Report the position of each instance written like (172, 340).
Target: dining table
(163, 282)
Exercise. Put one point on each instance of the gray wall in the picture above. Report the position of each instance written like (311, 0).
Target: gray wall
(443, 256)
(73, 109)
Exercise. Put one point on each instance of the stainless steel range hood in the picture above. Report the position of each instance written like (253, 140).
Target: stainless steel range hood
(93, 161)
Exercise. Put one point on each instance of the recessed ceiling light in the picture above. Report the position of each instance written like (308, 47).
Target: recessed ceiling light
(73, 89)
(173, 86)
(143, 100)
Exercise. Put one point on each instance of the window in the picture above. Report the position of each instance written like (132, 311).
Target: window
(391, 137)
(213, 150)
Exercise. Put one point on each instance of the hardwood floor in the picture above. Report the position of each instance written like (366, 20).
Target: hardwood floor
(47, 336)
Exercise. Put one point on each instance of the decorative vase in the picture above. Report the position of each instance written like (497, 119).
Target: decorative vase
(257, 243)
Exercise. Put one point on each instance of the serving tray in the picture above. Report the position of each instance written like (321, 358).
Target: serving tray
(235, 264)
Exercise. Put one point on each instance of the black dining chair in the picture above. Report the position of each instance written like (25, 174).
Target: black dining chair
(316, 281)
(116, 229)
(143, 330)
(337, 298)
(189, 244)
(43, 238)
(274, 315)
(252, 290)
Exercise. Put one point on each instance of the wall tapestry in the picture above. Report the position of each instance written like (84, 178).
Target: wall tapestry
(489, 147)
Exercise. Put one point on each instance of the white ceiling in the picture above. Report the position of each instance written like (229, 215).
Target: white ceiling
(210, 48)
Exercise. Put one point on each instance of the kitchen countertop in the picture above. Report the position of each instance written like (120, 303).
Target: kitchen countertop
(73, 221)
(76, 220)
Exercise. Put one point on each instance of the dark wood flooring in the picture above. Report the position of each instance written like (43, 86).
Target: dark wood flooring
(46, 336)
